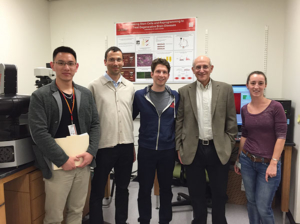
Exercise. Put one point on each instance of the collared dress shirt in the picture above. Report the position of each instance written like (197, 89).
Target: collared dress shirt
(203, 97)
(116, 83)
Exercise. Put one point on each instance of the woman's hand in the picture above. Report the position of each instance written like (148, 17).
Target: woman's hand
(271, 170)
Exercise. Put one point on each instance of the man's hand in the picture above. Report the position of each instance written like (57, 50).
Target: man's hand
(236, 168)
(87, 159)
(179, 157)
(70, 164)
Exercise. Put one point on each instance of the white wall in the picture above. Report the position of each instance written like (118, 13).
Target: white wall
(25, 38)
(236, 33)
(291, 90)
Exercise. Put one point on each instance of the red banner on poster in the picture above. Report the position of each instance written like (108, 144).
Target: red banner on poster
(162, 26)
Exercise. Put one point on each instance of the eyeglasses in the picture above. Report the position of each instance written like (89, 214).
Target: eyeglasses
(115, 59)
(62, 63)
(204, 67)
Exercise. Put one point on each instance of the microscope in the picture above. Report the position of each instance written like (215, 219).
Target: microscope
(45, 75)
(15, 139)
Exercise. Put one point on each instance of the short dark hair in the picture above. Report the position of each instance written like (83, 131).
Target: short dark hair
(160, 61)
(113, 49)
(258, 73)
(64, 49)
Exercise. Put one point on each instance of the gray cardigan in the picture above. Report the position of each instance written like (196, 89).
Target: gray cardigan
(45, 112)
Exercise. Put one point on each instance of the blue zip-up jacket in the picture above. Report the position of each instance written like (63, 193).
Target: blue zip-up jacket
(156, 132)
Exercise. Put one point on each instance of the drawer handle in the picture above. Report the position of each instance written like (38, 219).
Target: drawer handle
(2, 204)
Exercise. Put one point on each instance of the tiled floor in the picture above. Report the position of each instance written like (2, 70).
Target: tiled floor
(235, 214)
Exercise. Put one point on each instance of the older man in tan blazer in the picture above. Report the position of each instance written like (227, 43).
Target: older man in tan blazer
(205, 136)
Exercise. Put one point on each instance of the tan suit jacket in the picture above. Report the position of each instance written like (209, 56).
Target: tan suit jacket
(224, 125)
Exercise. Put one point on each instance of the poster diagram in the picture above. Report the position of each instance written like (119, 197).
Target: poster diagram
(144, 60)
(142, 42)
(183, 58)
(184, 42)
(168, 55)
(128, 73)
(183, 74)
(143, 74)
(129, 59)
(164, 43)
(127, 44)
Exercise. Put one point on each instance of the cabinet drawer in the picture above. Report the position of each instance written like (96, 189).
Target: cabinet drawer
(37, 188)
(39, 220)
(17, 205)
(35, 174)
(38, 207)
(20, 184)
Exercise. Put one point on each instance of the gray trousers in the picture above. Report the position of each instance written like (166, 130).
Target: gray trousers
(66, 188)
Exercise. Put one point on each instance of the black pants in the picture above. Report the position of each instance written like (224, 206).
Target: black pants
(148, 161)
(120, 158)
(207, 158)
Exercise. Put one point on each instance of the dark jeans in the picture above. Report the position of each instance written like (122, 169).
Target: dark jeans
(120, 158)
(148, 161)
(206, 158)
(259, 192)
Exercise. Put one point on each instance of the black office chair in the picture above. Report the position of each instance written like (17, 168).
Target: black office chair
(180, 180)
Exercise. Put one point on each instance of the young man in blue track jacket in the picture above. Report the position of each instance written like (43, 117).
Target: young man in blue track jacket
(157, 105)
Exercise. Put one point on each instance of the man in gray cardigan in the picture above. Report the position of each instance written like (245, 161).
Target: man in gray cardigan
(56, 110)
(114, 97)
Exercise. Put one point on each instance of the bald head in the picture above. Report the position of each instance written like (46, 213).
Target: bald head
(202, 58)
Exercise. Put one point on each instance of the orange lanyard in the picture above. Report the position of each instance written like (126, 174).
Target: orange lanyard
(71, 111)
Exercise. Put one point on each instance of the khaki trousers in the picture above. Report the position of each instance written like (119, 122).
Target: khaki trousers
(66, 188)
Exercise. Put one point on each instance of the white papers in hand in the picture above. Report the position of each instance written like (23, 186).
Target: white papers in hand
(73, 146)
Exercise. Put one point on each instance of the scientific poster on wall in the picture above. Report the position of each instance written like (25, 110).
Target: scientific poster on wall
(142, 42)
